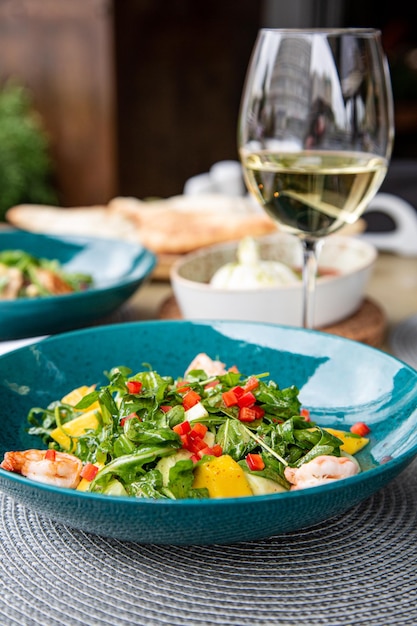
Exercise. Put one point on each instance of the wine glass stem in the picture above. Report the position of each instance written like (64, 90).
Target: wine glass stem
(310, 263)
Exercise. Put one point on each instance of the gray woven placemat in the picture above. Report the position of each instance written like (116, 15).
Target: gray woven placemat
(356, 569)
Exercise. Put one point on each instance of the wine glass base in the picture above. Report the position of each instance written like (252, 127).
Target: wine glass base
(403, 341)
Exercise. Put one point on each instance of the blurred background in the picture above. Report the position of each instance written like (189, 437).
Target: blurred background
(133, 97)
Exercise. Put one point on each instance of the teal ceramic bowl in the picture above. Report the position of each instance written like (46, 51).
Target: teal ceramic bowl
(341, 381)
(118, 269)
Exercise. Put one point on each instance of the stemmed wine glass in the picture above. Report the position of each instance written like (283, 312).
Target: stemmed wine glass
(315, 132)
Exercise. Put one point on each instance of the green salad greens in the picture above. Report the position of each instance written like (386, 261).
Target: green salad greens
(150, 435)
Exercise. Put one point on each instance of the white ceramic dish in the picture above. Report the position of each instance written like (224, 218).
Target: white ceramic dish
(338, 296)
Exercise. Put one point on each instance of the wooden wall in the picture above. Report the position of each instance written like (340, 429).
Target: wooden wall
(137, 95)
(63, 51)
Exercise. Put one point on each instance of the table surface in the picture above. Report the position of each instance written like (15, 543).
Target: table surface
(359, 568)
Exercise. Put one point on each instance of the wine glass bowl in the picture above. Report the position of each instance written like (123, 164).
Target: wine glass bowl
(315, 132)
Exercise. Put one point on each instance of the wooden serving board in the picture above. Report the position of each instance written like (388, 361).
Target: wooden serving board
(368, 325)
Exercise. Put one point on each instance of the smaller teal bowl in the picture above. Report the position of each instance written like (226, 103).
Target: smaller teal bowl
(118, 269)
(340, 381)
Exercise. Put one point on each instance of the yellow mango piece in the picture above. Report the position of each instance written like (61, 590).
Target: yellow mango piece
(76, 427)
(351, 443)
(223, 478)
(84, 484)
(73, 397)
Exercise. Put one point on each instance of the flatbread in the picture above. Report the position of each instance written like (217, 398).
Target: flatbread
(88, 221)
(182, 224)
(174, 226)
(168, 228)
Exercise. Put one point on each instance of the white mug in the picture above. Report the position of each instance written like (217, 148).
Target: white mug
(403, 239)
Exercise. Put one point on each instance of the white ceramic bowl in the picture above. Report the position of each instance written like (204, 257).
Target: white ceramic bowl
(338, 296)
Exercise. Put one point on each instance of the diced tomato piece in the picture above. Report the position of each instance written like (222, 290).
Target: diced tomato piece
(211, 384)
(233, 369)
(198, 430)
(255, 462)
(183, 428)
(360, 428)
(247, 414)
(165, 408)
(229, 398)
(134, 386)
(190, 399)
(248, 399)
(251, 384)
(50, 455)
(306, 414)
(195, 458)
(127, 417)
(89, 471)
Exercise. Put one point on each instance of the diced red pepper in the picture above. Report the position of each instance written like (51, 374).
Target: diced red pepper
(247, 414)
(50, 455)
(360, 428)
(248, 399)
(255, 462)
(306, 414)
(238, 391)
(165, 408)
(211, 384)
(217, 449)
(182, 386)
(127, 417)
(190, 399)
(134, 386)
(89, 471)
(260, 412)
(198, 430)
(207, 451)
(195, 458)
(229, 398)
(197, 444)
(185, 440)
(183, 428)
(251, 384)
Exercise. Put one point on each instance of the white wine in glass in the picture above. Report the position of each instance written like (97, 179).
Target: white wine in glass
(315, 132)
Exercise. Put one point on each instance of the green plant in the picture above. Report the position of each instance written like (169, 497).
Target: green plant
(25, 163)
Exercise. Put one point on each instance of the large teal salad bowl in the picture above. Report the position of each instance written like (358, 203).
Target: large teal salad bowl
(118, 269)
(340, 381)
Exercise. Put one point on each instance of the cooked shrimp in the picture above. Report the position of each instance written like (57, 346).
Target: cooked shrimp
(203, 362)
(11, 280)
(63, 471)
(321, 470)
(51, 281)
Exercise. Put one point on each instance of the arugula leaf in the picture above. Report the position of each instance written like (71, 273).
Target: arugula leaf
(129, 466)
(148, 486)
(234, 439)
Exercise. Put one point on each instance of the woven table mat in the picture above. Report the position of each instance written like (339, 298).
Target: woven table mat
(355, 569)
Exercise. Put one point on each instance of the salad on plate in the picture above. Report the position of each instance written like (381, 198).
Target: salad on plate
(213, 433)
(23, 275)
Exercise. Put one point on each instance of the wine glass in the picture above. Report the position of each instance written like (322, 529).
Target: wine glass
(315, 132)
